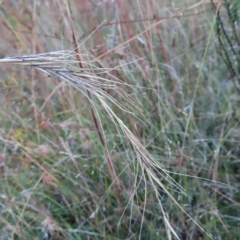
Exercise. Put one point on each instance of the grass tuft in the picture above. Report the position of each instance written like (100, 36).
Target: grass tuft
(133, 134)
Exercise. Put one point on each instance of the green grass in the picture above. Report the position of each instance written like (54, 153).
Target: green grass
(56, 180)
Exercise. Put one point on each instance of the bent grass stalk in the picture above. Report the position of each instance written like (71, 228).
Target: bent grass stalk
(59, 64)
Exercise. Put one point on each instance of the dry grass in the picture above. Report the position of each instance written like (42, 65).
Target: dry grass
(130, 135)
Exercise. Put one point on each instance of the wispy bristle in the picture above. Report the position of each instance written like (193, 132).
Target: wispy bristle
(87, 80)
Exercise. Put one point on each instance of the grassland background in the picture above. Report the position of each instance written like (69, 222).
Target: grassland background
(53, 171)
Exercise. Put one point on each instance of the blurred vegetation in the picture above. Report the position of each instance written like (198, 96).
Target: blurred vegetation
(182, 61)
